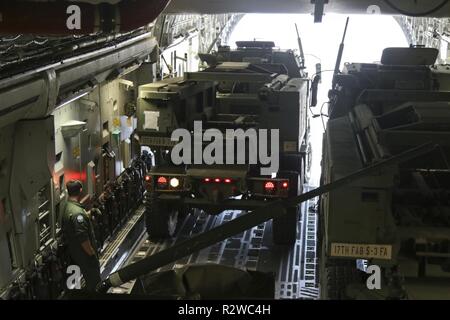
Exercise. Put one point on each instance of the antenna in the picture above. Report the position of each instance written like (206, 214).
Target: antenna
(341, 50)
(300, 47)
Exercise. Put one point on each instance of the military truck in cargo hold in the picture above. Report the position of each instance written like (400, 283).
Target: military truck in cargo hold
(251, 90)
(387, 236)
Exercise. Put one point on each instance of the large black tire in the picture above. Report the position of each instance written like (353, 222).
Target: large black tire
(161, 218)
(284, 229)
(338, 274)
(335, 274)
(292, 162)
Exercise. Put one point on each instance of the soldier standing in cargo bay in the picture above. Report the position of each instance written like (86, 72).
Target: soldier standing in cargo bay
(79, 236)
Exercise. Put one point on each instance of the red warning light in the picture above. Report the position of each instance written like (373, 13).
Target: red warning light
(162, 180)
(269, 186)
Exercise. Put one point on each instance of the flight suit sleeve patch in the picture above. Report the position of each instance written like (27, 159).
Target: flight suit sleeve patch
(81, 227)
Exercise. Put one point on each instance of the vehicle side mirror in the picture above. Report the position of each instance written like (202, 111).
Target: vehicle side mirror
(315, 84)
(315, 90)
(319, 70)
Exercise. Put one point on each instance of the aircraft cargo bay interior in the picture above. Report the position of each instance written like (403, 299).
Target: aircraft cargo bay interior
(225, 150)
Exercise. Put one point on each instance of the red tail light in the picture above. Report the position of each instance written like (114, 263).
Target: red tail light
(227, 180)
(162, 180)
(285, 185)
(207, 180)
(148, 178)
(269, 186)
(217, 180)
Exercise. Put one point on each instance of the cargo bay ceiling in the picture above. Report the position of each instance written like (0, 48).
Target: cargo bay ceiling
(437, 8)
(422, 20)
(416, 7)
(31, 16)
(24, 23)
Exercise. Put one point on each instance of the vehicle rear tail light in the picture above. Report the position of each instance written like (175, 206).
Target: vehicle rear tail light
(217, 180)
(207, 180)
(148, 178)
(285, 185)
(228, 180)
(269, 186)
(162, 182)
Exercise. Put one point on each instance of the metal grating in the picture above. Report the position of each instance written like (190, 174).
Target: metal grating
(430, 32)
(295, 267)
(114, 246)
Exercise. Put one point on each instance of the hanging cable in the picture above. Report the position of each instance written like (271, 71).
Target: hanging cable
(316, 115)
(323, 71)
(412, 14)
(323, 115)
(314, 56)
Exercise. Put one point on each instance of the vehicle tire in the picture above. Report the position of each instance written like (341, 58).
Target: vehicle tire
(183, 212)
(292, 162)
(338, 274)
(284, 229)
(161, 218)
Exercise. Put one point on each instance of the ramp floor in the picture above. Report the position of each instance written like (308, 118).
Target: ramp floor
(295, 267)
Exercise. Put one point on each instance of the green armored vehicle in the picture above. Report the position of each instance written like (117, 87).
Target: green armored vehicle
(387, 236)
(250, 106)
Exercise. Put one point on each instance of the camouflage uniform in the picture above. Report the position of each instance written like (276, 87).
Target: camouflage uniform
(77, 228)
